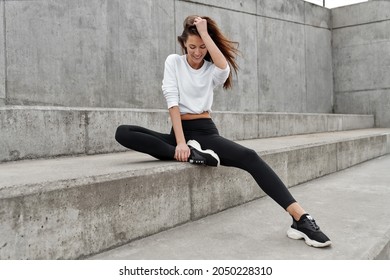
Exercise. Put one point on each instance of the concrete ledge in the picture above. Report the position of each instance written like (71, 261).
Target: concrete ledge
(67, 208)
(358, 198)
(41, 132)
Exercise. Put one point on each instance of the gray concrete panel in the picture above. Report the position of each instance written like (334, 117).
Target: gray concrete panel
(365, 12)
(89, 218)
(281, 56)
(225, 122)
(91, 53)
(317, 16)
(244, 95)
(56, 52)
(319, 161)
(388, 144)
(356, 151)
(269, 125)
(362, 34)
(363, 62)
(351, 122)
(299, 123)
(362, 67)
(282, 9)
(375, 102)
(241, 186)
(140, 37)
(41, 133)
(211, 193)
(319, 78)
(352, 102)
(334, 123)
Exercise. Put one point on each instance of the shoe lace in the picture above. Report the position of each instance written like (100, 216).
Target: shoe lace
(313, 224)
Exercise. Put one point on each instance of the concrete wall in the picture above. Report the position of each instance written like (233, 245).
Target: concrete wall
(102, 53)
(110, 53)
(293, 57)
(2, 55)
(361, 60)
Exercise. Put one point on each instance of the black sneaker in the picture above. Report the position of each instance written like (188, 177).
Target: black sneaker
(199, 156)
(307, 229)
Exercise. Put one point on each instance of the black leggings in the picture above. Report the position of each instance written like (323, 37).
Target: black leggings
(162, 146)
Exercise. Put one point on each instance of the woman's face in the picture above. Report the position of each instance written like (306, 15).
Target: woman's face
(196, 51)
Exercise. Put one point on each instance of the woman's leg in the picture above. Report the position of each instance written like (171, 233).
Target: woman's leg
(159, 145)
(235, 155)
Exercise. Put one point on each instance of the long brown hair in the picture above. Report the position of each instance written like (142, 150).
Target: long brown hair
(228, 48)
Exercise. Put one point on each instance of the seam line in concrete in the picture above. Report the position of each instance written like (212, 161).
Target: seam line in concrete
(377, 42)
(85, 114)
(358, 24)
(305, 58)
(5, 54)
(362, 90)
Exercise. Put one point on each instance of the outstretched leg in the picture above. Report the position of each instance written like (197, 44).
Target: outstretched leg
(236, 155)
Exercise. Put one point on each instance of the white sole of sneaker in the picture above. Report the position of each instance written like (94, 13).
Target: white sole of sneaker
(296, 234)
(197, 146)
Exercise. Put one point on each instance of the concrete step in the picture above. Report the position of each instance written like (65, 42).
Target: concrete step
(351, 207)
(29, 132)
(72, 207)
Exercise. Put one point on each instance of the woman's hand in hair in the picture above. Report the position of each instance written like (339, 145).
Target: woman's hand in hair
(201, 25)
(216, 55)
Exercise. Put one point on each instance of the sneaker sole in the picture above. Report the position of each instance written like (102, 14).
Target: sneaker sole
(296, 234)
(194, 144)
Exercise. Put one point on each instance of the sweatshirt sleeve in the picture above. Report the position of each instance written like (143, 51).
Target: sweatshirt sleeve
(220, 75)
(169, 83)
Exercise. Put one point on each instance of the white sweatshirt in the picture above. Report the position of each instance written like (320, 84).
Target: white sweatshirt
(191, 89)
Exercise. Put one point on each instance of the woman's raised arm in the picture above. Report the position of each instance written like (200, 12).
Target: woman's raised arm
(217, 56)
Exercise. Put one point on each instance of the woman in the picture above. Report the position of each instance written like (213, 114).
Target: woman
(188, 86)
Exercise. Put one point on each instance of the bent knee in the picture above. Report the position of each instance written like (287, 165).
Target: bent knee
(251, 155)
(120, 132)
